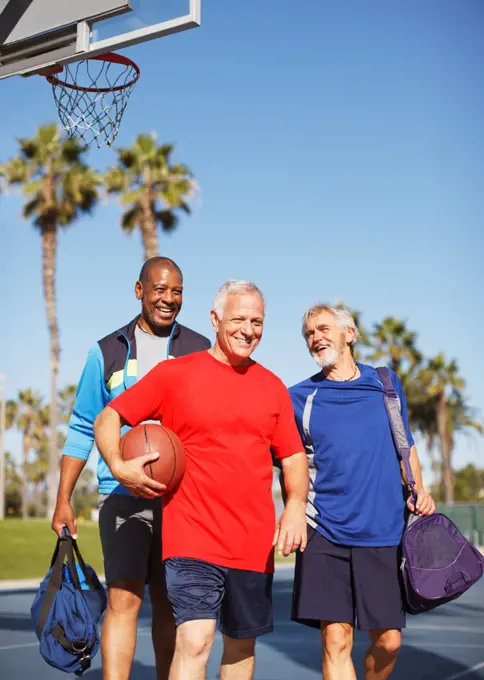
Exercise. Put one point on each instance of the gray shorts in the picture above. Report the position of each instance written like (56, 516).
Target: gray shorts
(130, 530)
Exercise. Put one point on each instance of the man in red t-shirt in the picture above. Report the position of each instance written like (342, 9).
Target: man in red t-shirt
(218, 526)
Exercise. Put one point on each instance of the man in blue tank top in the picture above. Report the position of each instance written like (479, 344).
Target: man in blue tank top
(349, 572)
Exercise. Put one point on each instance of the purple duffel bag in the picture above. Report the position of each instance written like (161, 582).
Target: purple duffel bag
(438, 563)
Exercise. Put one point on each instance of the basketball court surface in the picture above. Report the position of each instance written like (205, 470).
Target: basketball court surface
(447, 644)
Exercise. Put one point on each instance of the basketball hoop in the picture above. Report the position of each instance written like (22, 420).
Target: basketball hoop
(92, 96)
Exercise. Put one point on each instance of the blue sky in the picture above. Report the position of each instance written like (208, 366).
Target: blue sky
(339, 148)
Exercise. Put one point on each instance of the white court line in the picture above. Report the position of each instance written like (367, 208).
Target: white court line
(458, 629)
(462, 674)
(26, 644)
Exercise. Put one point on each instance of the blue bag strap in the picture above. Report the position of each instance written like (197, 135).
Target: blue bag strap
(65, 550)
(82, 565)
(392, 405)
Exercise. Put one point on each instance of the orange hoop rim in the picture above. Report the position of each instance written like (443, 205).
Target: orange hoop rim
(110, 57)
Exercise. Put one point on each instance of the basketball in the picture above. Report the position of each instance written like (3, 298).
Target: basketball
(150, 438)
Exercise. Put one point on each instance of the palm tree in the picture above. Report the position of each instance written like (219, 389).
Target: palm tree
(152, 187)
(58, 188)
(67, 397)
(39, 467)
(395, 344)
(24, 414)
(444, 386)
(13, 484)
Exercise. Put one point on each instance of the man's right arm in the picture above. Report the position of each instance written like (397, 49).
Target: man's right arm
(129, 473)
(143, 401)
(91, 397)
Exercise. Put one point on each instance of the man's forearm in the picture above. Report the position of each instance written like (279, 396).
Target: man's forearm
(107, 433)
(295, 477)
(416, 469)
(71, 468)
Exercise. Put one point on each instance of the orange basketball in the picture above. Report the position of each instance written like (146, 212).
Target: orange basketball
(150, 438)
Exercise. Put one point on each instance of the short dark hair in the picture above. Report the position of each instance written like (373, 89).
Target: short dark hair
(145, 272)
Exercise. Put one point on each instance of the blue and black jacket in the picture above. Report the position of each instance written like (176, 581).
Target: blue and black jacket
(111, 368)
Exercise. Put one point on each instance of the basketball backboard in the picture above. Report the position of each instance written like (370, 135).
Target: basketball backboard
(40, 34)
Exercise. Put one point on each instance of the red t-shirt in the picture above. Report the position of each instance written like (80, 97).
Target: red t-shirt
(229, 420)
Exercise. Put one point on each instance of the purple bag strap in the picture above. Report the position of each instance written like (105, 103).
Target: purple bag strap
(392, 405)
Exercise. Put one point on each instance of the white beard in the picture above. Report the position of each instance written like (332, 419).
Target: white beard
(329, 358)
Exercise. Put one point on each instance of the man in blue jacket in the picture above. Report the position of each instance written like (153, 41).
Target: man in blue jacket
(349, 571)
(130, 527)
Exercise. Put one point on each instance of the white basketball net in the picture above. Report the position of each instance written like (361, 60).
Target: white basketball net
(91, 96)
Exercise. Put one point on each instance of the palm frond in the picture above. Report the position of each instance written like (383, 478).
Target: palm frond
(131, 218)
(167, 219)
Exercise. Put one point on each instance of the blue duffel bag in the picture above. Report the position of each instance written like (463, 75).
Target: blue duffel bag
(67, 609)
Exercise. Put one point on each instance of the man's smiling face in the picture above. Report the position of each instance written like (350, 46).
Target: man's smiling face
(161, 297)
(239, 331)
(325, 339)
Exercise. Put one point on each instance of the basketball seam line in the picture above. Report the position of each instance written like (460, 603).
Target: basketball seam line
(174, 456)
(147, 448)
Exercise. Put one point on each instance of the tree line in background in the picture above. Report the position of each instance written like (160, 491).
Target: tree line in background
(26, 482)
(59, 187)
(435, 391)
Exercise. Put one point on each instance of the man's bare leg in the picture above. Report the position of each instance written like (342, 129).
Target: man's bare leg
(118, 639)
(382, 655)
(337, 639)
(163, 631)
(194, 640)
(238, 659)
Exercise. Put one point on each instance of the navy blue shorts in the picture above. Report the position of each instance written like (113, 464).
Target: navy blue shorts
(242, 600)
(347, 584)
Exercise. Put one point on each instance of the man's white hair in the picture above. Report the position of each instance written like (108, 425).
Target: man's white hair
(342, 315)
(234, 287)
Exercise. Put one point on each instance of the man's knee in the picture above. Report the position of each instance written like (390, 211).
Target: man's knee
(337, 639)
(387, 642)
(195, 638)
(237, 650)
(125, 597)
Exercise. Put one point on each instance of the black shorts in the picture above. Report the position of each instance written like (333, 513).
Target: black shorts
(130, 530)
(343, 584)
(200, 590)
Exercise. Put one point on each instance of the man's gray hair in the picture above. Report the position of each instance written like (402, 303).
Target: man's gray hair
(342, 315)
(234, 287)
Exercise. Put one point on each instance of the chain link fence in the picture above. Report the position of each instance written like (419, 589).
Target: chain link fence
(469, 518)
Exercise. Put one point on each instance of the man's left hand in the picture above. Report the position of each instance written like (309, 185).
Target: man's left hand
(425, 504)
(291, 530)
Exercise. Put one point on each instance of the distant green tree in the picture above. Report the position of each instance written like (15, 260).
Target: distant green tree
(469, 484)
(24, 415)
(13, 488)
(67, 397)
(85, 494)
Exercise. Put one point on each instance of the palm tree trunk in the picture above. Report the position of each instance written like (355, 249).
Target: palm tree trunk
(23, 482)
(446, 451)
(148, 227)
(49, 253)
